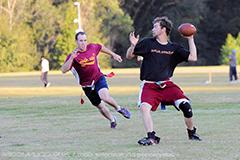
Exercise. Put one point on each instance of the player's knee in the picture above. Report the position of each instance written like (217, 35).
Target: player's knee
(145, 107)
(100, 107)
(186, 109)
(105, 97)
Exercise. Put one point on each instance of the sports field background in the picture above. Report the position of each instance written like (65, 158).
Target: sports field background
(49, 123)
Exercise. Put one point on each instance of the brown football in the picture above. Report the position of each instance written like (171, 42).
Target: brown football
(187, 29)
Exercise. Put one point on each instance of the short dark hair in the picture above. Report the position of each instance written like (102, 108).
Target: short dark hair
(164, 22)
(81, 33)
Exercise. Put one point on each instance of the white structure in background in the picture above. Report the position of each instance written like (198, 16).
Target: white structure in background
(78, 20)
(209, 78)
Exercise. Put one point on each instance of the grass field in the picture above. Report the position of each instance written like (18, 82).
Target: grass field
(49, 123)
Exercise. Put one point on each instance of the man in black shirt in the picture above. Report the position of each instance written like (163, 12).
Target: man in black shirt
(160, 57)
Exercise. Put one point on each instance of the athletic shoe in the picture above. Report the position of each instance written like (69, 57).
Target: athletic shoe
(48, 84)
(146, 141)
(192, 135)
(125, 113)
(114, 123)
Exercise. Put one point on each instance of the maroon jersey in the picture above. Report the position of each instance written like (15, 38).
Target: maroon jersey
(85, 66)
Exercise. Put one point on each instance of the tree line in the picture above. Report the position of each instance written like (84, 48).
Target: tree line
(214, 21)
(32, 28)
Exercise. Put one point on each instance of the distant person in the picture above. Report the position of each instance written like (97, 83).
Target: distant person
(233, 66)
(83, 63)
(160, 57)
(44, 71)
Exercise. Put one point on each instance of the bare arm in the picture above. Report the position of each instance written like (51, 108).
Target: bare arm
(192, 48)
(130, 54)
(111, 53)
(133, 41)
(67, 65)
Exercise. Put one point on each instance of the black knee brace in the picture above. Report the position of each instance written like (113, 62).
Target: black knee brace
(186, 109)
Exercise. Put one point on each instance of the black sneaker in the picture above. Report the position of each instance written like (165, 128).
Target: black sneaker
(145, 141)
(192, 135)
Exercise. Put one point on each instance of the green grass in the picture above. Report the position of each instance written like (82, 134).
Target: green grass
(55, 127)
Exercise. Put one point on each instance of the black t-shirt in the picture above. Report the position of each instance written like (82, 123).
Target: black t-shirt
(159, 61)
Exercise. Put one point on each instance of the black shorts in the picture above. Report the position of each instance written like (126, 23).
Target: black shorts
(92, 94)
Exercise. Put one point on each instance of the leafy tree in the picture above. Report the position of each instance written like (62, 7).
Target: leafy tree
(213, 19)
(47, 28)
(115, 26)
(43, 18)
(103, 21)
(231, 43)
(17, 52)
(143, 12)
(65, 43)
(218, 19)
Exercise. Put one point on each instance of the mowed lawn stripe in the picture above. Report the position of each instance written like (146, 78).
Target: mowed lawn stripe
(117, 90)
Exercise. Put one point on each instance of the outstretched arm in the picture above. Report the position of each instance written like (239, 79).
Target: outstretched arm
(133, 41)
(192, 48)
(67, 65)
(111, 53)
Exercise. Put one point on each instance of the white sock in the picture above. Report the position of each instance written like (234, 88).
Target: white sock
(113, 119)
(118, 108)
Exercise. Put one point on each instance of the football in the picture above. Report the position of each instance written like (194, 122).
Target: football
(187, 29)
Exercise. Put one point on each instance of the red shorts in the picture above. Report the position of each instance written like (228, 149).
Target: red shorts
(153, 94)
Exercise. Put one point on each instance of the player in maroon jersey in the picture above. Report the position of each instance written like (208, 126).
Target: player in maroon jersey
(83, 63)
